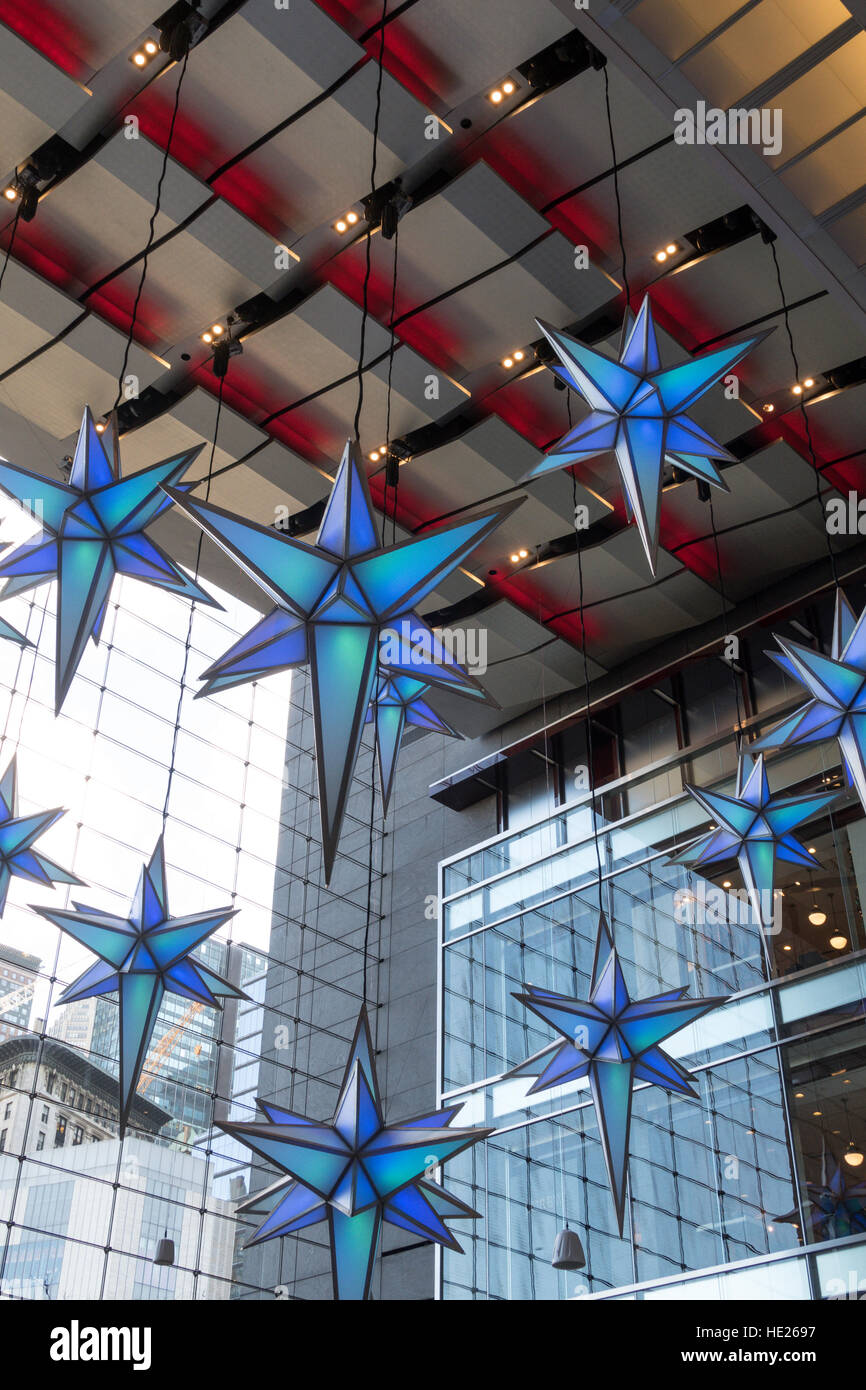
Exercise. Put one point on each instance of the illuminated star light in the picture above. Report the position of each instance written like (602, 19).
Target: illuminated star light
(754, 828)
(614, 1041)
(142, 957)
(93, 527)
(18, 834)
(837, 686)
(334, 601)
(356, 1172)
(638, 411)
(398, 702)
(836, 1200)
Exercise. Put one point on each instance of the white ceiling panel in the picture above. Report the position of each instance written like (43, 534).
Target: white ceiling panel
(36, 99)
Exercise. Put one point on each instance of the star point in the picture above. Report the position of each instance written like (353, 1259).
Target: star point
(754, 827)
(142, 957)
(18, 835)
(613, 1041)
(355, 1172)
(94, 527)
(637, 410)
(335, 601)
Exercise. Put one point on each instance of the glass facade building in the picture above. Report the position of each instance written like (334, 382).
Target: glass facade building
(756, 1188)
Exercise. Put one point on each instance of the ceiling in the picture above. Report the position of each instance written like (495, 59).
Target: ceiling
(272, 145)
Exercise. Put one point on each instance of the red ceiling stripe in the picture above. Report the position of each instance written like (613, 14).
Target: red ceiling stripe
(50, 32)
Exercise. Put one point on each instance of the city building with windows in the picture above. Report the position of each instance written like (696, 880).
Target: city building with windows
(18, 972)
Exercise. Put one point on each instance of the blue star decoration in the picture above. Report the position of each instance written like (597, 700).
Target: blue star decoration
(18, 835)
(356, 1172)
(836, 684)
(335, 601)
(638, 411)
(614, 1041)
(838, 1206)
(399, 701)
(140, 958)
(754, 828)
(93, 527)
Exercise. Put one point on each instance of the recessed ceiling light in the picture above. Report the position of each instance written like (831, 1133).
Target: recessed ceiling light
(151, 47)
(341, 225)
(809, 382)
(811, 851)
(515, 559)
(727, 883)
(99, 427)
(351, 218)
(216, 329)
(139, 59)
(508, 87)
(798, 390)
(374, 457)
(768, 407)
(524, 554)
(496, 96)
(207, 337)
(519, 355)
(672, 248)
(10, 193)
(508, 362)
(786, 948)
(661, 256)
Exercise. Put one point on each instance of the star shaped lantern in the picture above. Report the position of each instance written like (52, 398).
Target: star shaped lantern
(838, 1206)
(638, 410)
(399, 701)
(836, 685)
(614, 1041)
(93, 527)
(335, 601)
(356, 1172)
(754, 828)
(18, 834)
(141, 957)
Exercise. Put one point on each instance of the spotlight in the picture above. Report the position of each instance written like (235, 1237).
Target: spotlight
(672, 248)
(798, 390)
(374, 457)
(768, 407)
(216, 329)
(519, 356)
(661, 256)
(351, 218)
(515, 559)
(786, 948)
(811, 851)
(340, 226)
(509, 87)
(100, 427)
(207, 337)
(151, 47)
(508, 362)
(524, 554)
(810, 381)
(139, 59)
(727, 883)
(10, 193)
(496, 96)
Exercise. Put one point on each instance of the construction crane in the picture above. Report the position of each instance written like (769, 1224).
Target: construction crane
(10, 1002)
(157, 1059)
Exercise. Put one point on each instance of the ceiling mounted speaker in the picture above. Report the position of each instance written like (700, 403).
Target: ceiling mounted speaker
(568, 1251)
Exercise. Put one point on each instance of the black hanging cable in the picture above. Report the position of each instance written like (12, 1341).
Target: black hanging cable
(725, 610)
(188, 642)
(395, 465)
(357, 431)
(804, 413)
(616, 194)
(365, 308)
(150, 236)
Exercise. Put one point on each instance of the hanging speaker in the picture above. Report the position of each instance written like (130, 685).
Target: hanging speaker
(568, 1251)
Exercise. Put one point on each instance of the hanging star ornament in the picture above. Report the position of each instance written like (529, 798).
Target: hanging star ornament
(838, 1206)
(93, 528)
(397, 703)
(837, 688)
(141, 957)
(638, 411)
(356, 1172)
(614, 1041)
(754, 828)
(18, 835)
(335, 601)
